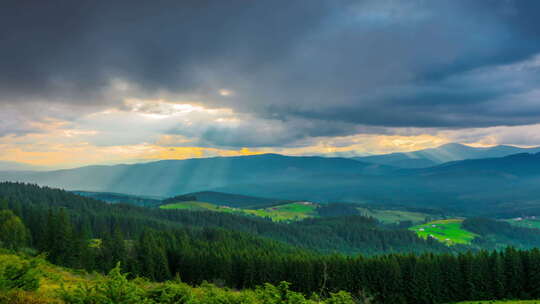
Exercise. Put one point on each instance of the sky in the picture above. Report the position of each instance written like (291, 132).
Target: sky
(103, 82)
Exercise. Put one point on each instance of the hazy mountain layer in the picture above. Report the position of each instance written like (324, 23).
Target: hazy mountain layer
(445, 153)
(504, 186)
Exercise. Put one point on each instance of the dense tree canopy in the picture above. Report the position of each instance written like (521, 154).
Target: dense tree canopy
(242, 252)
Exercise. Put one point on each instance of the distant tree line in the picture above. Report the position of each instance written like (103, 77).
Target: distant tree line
(179, 198)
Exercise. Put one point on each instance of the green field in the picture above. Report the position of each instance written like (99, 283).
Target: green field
(527, 222)
(394, 216)
(286, 212)
(446, 231)
(197, 206)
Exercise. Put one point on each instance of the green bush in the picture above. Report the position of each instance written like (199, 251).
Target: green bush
(23, 297)
(18, 274)
(115, 288)
(171, 293)
(281, 294)
(211, 294)
(341, 297)
(13, 233)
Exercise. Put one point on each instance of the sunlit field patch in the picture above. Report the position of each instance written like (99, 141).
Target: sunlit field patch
(447, 231)
(285, 212)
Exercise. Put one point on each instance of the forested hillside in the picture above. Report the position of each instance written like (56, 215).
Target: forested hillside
(95, 219)
(121, 198)
(227, 199)
(173, 177)
(494, 187)
(314, 255)
(423, 279)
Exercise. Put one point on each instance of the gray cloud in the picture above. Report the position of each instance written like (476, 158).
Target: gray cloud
(311, 68)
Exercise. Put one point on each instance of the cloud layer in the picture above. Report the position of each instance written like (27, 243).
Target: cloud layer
(268, 74)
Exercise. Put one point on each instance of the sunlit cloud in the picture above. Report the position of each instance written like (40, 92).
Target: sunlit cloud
(225, 92)
(152, 129)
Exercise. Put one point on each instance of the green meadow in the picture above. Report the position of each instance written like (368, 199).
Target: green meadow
(285, 212)
(394, 216)
(197, 206)
(447, 231)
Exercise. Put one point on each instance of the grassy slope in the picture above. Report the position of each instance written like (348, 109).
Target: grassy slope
(394, 216)
(53, 278)
(195, 206)
(286, 212)
(447, 231)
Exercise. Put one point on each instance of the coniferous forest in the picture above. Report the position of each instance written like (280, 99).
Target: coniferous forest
(323, 256)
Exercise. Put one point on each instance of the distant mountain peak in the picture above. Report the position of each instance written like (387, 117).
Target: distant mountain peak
(453, 144)
(444, 153)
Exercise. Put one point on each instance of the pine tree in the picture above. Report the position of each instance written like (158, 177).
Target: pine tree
(513, 273)
(534, 273)
(60, 239)
(4, 204)
(496, 277)
(152, 257)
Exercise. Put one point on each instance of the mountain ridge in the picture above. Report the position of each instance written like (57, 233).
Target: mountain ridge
(173, 177)
(442, 154)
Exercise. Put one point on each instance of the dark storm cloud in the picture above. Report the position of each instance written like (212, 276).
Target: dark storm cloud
(67, 47)
(340, 64)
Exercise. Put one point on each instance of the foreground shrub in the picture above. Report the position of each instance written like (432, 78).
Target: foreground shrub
(24, 297)
(281, 294)
(341, 297)
(115, 288)
(18, 274)
(171, 293)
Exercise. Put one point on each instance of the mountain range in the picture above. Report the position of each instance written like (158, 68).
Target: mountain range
(172, 177)
(498, 186)
(442, 154)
